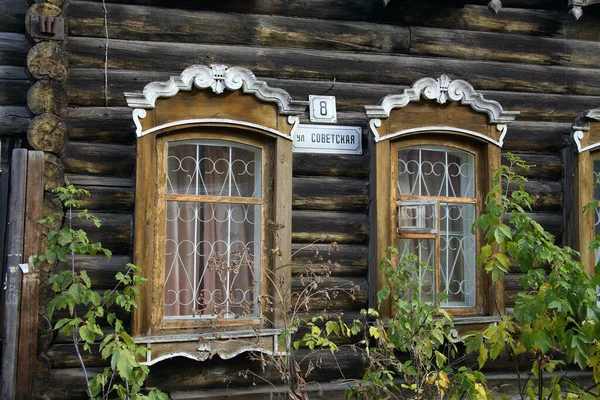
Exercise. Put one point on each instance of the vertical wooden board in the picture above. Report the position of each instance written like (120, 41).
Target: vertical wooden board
(30, 284)
(13, 273)
(495, 302)
(584, 190)
(383, 200)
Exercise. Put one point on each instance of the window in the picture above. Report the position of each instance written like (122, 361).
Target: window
(430, 183)
(586, 135)
(209, 193)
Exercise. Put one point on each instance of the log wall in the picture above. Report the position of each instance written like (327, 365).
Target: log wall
(531, 57)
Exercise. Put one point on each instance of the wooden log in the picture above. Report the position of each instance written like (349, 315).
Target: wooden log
(539, 22)
(358, 10)
(91, 180)
(54, 172)
(13, 14)
(100, 124)
(48, 133)
(12, 293)
(340, 260)
(28, 328)
(67, 384)
(542, 166)
(39, 9)
(64, 356)
(99, 159)
(546, 195)
(85, 87)
(114, 234)
(15, 84)
(132, 22)
(101, 270)
(537, 136)
(52, 206)
(342, 165)
(469, 45)
(334, 194)
(181, 26)
(343, 66)
(48, 60)
(14, 120)
(13, 48)
(327, 227)
(47, 96)
(108, 199)
(332, 294)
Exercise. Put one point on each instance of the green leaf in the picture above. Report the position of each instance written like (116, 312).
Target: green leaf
(86, 334)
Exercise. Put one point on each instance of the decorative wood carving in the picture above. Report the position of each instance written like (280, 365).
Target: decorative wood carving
(218, 78)
(581, 128)
(441, 90)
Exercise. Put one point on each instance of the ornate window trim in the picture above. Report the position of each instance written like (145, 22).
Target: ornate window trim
(432, 112)
(184, 108)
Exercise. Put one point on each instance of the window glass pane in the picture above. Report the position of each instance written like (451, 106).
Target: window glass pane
(425, 250)
(436, 171)
(457, 254)
(214, 168)
(212, 260)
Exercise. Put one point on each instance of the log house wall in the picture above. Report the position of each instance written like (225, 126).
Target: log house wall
(537, 61)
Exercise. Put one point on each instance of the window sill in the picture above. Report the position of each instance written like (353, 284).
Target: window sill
(464, 326)
(203, 346)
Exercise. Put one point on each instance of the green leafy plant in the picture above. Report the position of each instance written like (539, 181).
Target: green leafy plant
(410, 355)
(556, 319)
(85, 307)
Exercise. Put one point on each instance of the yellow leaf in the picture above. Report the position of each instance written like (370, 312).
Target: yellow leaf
(374, 332)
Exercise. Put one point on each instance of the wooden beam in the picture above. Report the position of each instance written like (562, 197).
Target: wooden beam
(14, 120)
(13, 48)
(27, 354)
(14, 257)
(15, 84)
(336, 66)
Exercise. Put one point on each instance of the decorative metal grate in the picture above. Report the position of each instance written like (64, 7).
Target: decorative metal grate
(212, 248)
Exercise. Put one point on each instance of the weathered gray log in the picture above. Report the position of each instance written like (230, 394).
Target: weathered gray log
(326, 9)
(547, 137)
(546, 195)
(537, 22)
(67, 384)
(13, 48)
(91, 180)
(343, 66)
(48, 60)
(327, 227)
(85, 88)
(487, 46)
(333, 294)
(14, 83)
(352, 166)
(47, 96)
(114, 234)
(99, 124)
(99, 159)
(334, 194)
(184, 26)
(340, 260)
(14, 120)
(543, 166)
(100, 269)
(13, 14)
(48, 132)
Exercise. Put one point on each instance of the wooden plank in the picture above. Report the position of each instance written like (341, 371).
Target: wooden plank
(28, 330)
(13, 48)
(341, 66)
(14, 120)
(327, 227)
(15, 84)
(334, 194)
(132, 22)
(538, 22)
(14, 256)
(85, 87)
(13, 14)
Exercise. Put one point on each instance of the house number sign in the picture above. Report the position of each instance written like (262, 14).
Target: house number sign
(322, 109)
(324, 139)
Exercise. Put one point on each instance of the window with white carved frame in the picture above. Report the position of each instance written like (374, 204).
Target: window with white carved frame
(213, 192)
(436, 146)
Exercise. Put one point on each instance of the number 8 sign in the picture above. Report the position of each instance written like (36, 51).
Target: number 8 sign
(322, 109)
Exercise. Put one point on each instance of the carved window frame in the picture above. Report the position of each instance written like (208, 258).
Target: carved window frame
(455, 117)
(586, 137)
(211, 103)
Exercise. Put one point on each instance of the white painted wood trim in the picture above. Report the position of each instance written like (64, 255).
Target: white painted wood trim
(499, 143)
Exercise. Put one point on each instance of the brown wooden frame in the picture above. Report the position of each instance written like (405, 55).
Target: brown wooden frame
(242, 118)
(586, 133)
(404, 120)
